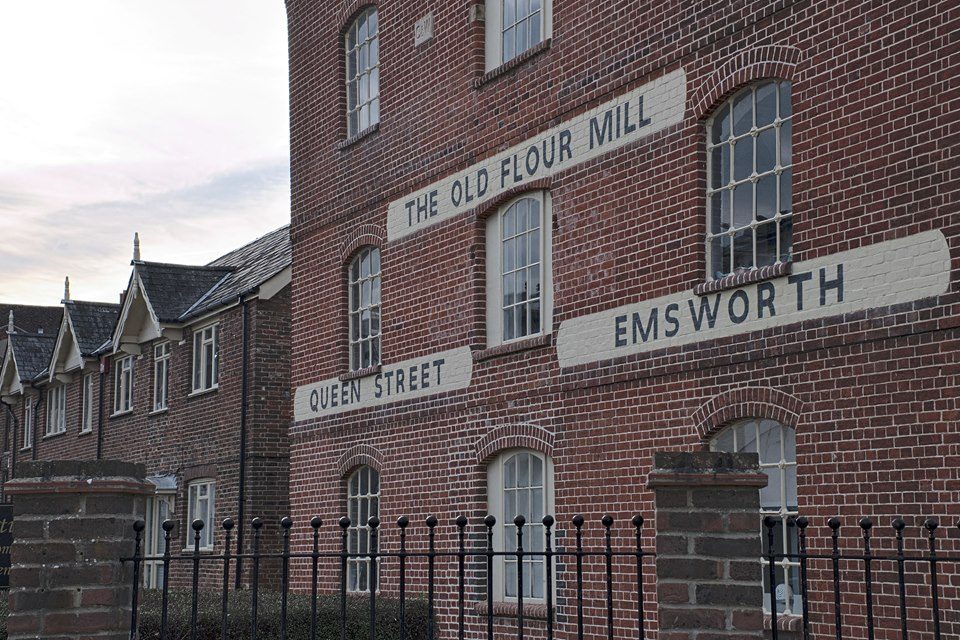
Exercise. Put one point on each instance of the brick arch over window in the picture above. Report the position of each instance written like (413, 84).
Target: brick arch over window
(360, 455)
(758, 63)
(366, 235)
(486, 209)
(350, 10)
(514, 436)
(746, 402)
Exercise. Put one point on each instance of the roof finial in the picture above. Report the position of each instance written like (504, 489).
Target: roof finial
(66, 289)
(10, 327)
(136, 247)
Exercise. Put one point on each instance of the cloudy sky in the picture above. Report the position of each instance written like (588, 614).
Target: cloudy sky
(167, 118)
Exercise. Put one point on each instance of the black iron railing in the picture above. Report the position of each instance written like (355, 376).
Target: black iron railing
(845, 571)
(481, 553)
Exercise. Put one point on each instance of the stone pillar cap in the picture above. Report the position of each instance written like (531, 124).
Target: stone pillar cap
(74, 476)
(706, 468)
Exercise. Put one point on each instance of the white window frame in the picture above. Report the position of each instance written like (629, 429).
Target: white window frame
(205, 373)
(361, 505)
(159, 508)
(780, 465)
(28, 416)
(86, 401)
(504, 533)
(161, 376)
(495, 307)
(123, 385)
(494, 51)
(363, 284)
(201, 506)
(363, 84)
(722, 232)
(56, 410)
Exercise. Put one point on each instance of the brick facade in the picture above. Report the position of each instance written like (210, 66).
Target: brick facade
(872, 392)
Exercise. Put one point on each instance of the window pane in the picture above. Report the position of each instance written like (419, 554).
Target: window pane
(520, 319)
(766, 244)
(509, 12)
(743, 206)
(508, 46)
(743, 159)
(767, 197)
(766, 103)
(786, 239)
(786, 143)
(786, 191)
(786, 109)
(720, 166)
(766, 150)
(534, 317)
(521, 285)
(770, 494)
(720, 256)
(533, 279)
(721, 125)
(509, 255)
(743, 113)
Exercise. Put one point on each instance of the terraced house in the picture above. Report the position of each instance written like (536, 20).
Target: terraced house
(535, 242)
(188, 375)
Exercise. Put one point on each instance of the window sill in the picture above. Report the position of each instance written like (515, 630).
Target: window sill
(158, 412)
(357, 137)
(526, 344)
(510, 65)
(120, 414)
(360, 373)
(50, 436)
(735, 280)
(85, 433)
(784, 622)
(535, 611)
(204, 551)
(22, 449)
(203, 392)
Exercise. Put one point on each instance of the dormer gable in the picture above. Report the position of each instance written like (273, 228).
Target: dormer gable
(66, 354)
(9, 376)
(138, 322)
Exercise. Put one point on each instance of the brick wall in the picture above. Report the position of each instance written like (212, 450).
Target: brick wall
(873, 394)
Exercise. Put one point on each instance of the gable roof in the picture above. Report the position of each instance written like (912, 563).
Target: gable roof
(31, 319)
(92, 323)
(31, 353)
(173, 288)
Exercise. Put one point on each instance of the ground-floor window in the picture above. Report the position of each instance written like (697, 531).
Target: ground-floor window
(159, 508)
(363, 502)
(776, 445)
(200, 506)
(520, 482)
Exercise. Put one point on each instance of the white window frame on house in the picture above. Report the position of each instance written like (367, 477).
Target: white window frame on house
(749, 180)
(28, 415)
(159, 508)
(56, 410)
(86, 400)
(504, 28)
(778, 460)
(123, 385)
(365, 317)
(205, 375)
(201, 505)
(161, 376)
(363, 502)
(505, 489)
(362, 48)
(508, 245)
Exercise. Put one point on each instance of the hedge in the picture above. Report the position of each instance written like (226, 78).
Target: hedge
(268, 617)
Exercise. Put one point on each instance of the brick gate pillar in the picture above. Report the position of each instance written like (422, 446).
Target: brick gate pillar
(73, 521)
(709, 581)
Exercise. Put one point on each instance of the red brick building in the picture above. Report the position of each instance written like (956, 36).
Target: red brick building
(533, 243)
(188, 375)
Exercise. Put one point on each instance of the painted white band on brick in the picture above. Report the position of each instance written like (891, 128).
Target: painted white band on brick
(630, 117)
(879, 275)
(424, 376)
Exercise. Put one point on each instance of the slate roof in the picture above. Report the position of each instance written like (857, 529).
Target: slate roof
(178, 293)
(93, 324)
(173, 288)
(32, 353)
(30, 319)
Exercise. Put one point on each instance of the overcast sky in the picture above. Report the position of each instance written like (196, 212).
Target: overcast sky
(164, 117)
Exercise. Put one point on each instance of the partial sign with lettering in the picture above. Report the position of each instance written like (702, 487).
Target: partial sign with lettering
(424, 376)
(6, 541)
(879, 275)
(628, 118)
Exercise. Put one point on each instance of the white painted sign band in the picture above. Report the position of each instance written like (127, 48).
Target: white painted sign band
(883, 274)
(630, 117)
(410, 379)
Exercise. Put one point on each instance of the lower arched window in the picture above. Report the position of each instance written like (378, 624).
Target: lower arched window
(520, 482)
(776, 445)
(363, 502)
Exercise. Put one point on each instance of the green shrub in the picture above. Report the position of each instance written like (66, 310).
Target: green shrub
(268, 617)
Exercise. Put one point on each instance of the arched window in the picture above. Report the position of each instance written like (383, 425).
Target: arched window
(364, 279)
(749, 172)
(363, 72)
(363, 501)
(776, 445)
(520, 482)
(519, 282)
(514, 26)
